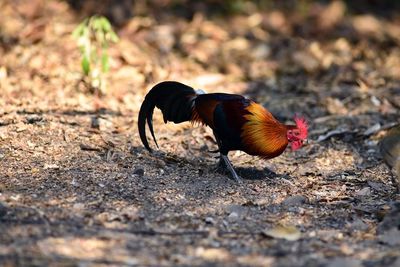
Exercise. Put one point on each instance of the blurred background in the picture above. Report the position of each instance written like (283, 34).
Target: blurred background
(346, 53)
(76, 184)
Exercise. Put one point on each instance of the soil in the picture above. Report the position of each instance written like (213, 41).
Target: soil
(77, 187)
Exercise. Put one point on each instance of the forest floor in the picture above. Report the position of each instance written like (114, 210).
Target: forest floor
(77, 188)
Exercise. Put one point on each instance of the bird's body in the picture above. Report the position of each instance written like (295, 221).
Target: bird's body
(241, 124)
(238, 123)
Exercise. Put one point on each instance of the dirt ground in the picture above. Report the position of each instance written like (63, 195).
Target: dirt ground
(77, 188)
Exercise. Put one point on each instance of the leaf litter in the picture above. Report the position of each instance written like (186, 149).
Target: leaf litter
(77, 187)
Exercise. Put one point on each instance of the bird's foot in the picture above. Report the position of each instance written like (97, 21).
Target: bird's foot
(224, 164)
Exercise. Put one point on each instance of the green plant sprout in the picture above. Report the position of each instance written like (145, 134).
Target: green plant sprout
(94, 36)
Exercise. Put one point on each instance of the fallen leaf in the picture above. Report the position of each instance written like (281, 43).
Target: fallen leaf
(288, 232)
(212, 254)
(50, 166)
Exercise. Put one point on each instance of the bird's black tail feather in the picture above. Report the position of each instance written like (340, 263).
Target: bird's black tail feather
(174, 99)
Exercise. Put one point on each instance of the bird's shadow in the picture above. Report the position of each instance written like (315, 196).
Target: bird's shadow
(253, 173)
(246, 173)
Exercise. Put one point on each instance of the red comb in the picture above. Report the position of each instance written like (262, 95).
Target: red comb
(302, 125)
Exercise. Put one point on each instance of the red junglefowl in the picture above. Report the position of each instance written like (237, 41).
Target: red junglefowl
(238, 123)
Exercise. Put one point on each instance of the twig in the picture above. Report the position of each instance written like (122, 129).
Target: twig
(89, 148)
(151, 232)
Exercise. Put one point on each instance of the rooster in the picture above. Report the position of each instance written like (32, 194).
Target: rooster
(238, 123)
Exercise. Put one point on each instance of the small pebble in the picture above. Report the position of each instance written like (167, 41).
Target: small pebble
(366, 191)
(295, 200)
(233, 216)
(78, 206)
(139, 172)
(209, 220)
(95, 122)
(33, 118)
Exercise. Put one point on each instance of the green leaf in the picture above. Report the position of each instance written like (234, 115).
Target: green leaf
(100, 37)
(105, 65)
(85, 65)
(78, 32)
(85, 32)
(113, 37)
(96, 23)
(106, 25)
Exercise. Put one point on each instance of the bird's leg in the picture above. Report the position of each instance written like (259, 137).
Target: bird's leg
(226, 162)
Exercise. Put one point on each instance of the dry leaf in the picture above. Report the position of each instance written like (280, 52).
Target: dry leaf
(288, 232)
(212, 254)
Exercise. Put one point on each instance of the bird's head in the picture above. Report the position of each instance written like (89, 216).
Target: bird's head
(298, 133)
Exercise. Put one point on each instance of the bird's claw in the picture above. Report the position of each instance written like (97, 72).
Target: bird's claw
(237, 179)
